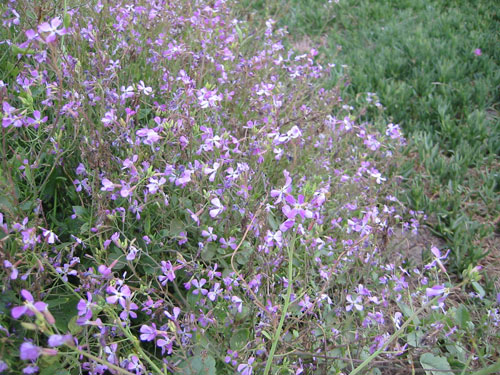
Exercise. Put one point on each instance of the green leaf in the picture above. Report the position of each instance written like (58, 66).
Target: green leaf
(54, 369)
(22, 51)
(415, 338)
(147, 224)
(479, 289)
(198, 365)
(240, 33)
(176, 227)
(407, 311)
(458, 351)
(239, 339)
(63, 309)
(73, 326)
(272, 222)
(432, 362)
(242, 259)
(7, 299)
(80, 211)
(209, 252)
(117, 254)
(462, 316)
(267, 335)
(143, 113)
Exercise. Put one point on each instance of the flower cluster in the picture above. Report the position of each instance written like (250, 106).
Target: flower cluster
(163, 159)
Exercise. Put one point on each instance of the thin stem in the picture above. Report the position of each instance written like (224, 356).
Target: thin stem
(135, 342)
(102, 361)
(285, 307)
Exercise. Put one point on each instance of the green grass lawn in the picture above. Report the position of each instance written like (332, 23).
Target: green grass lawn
(422, 59)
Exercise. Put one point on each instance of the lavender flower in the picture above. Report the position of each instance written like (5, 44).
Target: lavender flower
(30, 307)
(29, 352)
(52, 29)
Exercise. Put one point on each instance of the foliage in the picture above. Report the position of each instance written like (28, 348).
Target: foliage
(181, 194)
(434, 68)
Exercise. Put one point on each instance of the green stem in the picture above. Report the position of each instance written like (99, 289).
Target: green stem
(285, 308)
(135, 342)
(102, 361)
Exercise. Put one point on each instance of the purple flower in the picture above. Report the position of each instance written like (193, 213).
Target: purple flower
(128, 310)
(356, 303)
(111, 351)
(107, 185)
(477, 52)
(225, 244)
(29, 351)
(184, 178)
(166, 344)
(279, 194)
(212, 171)
(58, 340)
(84, 308)
(238, 303)
(80, 170)
(305, 303)
(194, 216)
(437, 259)
(246, 368)
(208, 98)
(31, 369)
(3, 366)
(106, 271)
(50, 236)
(213, 272)
(118, 295)
(290, 214)
(132, 253)
(231, 357)
(217, 209)
(37, 119)
(135, 364)
(393, 131)
(294, 132)
(175, 313)
(148, 333)
(298, 206)
(436, 290)
(109, 118)
(168, 272)
(274, 239)
(145, 89)
(182, 238)
(52, 29)
(155, 184)
(150, 134)
(14, 273)
(209, 233)
(9, 117)
(199, 285)
(30, 306)
(127, 92)
(216, 290)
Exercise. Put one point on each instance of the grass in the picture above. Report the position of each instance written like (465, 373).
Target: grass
(418, 57)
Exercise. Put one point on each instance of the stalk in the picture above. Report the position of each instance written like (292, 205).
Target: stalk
(285, 308)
